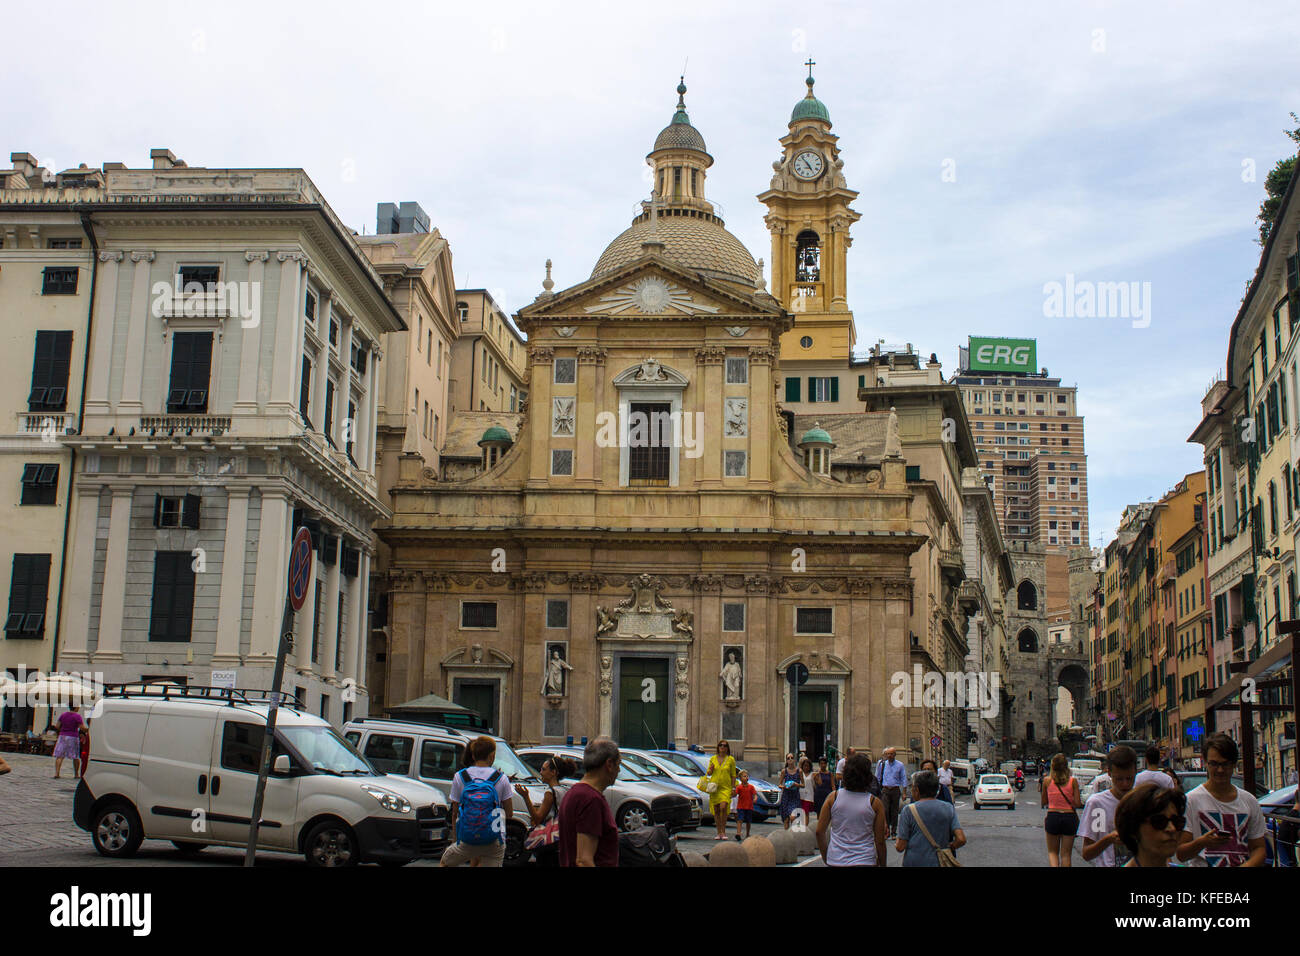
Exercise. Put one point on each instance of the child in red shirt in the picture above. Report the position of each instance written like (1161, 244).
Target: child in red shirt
(745, 793)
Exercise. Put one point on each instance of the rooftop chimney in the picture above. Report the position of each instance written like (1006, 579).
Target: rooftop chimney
(24, 163)
(163, 159)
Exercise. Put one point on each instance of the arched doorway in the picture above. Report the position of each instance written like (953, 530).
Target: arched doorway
(1072, 681)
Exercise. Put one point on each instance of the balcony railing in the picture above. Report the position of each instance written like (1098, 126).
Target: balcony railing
(173, 426)
(49, 424)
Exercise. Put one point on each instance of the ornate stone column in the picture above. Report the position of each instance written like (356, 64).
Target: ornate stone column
(250, 337)
(137, 330)
(710, 400)
(761, 412)
(541, 361)
(101, 345)
(272, 575)
(75, 638)
(231, 599)
(108, 646)
(591, 381)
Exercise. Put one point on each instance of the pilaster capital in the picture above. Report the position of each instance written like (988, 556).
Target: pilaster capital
(287, 255)
(761, 355)
(253, 255)
(710, 355)
(592, 356)
(111, 255)
(142, 255)
(539, 355)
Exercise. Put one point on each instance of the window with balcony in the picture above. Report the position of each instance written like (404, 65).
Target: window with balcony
(187, 388)
(50, 366)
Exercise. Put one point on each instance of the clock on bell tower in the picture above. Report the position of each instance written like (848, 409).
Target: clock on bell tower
(809, 217)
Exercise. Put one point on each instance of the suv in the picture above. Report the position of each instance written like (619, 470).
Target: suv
(636, 801)
(181, 764)
(431, 754)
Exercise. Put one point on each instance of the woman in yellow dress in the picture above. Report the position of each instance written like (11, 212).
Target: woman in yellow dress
(721, 775)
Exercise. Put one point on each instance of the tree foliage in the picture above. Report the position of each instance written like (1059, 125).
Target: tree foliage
(1275, 186)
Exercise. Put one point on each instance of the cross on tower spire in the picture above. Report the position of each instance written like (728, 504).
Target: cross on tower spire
(810, 63)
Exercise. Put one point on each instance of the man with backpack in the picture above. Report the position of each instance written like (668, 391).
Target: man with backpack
(480, 807)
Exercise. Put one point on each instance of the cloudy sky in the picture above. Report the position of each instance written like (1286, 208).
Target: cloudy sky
(1107, 141)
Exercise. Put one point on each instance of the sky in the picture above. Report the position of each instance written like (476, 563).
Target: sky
(997, 148)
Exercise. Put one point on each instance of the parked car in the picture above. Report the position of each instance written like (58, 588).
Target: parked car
(1278, 807)
(994, 790)
(431, 754)
(156, 759)
(635, 800)
(694, 764)
(644, 763)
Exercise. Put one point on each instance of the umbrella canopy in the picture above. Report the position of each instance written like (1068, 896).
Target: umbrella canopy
(60, 690)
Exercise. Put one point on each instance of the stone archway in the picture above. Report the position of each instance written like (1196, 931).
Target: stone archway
(1073, 679)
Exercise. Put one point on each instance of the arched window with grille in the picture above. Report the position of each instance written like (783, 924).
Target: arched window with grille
(1027, 596)
(1028, 641)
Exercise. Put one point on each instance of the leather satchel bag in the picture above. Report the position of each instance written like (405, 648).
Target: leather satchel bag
(946, 856)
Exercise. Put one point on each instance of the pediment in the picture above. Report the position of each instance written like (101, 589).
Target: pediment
(652, 289)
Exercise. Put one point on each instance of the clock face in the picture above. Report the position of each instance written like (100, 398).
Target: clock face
(808, 164)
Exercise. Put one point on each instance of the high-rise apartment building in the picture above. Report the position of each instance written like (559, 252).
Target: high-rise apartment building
(1029, 437)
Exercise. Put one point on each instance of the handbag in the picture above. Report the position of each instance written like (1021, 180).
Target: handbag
(945, 854)
(543, 835)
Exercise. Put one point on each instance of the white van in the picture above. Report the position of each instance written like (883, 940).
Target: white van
(181, 764)
(963, 776)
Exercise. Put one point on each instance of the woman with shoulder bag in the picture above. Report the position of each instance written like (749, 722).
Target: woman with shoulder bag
(544, 835)
(1060, 796)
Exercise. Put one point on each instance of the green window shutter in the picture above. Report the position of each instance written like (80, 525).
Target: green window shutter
(812, 389)
(862, 381)
(835, 389)
(792, 389)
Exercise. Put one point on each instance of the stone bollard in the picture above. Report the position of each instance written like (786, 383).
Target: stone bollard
(760, 851)
(805, 841)
(695, 859)
(783, 846)
(729, 854)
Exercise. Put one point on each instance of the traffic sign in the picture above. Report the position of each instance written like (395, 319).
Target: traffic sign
(936, 741)
(300, 561)
(797, 673)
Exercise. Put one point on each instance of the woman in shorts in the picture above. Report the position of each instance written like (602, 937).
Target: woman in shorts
(1060, 796)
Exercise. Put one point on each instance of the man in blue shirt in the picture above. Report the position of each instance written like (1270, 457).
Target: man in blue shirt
(925, 815)
(893, 778)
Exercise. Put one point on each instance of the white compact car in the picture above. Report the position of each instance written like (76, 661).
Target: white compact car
(181, 764)
(994, 790)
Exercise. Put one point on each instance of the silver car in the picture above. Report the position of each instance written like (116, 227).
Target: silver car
(645, 763)
(635, 799)
(432, 754)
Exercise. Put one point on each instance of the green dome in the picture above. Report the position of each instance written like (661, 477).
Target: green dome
(495, 433)
(680, 134)
(810, 107)
(814, 435)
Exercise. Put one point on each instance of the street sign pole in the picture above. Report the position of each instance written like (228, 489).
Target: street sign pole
(264, 763)
(300, 570)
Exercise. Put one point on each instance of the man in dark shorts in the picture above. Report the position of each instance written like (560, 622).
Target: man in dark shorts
(588, 836)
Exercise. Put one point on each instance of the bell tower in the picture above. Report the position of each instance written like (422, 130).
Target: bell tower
(809, 217)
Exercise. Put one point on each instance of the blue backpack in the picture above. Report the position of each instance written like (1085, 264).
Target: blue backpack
(476, 815)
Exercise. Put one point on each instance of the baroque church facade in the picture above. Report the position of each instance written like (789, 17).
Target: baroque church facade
(647, 547)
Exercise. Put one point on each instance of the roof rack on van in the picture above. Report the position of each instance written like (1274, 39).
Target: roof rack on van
(231, 695)
(458, 731)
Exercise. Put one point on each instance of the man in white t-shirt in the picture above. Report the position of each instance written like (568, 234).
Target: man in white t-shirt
(1153, 773)
(839, 767)
(1101, 843)
(1225, 826)
(945, 781)
(482, 752)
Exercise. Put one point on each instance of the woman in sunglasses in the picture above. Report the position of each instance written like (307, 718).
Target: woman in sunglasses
(1150, 821)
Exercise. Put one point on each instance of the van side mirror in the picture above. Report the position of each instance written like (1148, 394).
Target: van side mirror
(281, 765)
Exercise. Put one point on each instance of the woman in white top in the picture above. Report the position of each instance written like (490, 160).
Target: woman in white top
(851, 827)
(806, 788)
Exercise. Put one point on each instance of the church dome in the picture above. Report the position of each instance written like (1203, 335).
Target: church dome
(810, 107)
(816, 436)
(690, 238)
(495, 433)
(679, 133)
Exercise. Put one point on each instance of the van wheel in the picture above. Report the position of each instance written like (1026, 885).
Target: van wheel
(186, 847)
(116, 831)
(633, 816)
(331, 843)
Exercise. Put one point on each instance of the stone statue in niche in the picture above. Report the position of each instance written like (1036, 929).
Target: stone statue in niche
(556, 680)
(733, 673)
